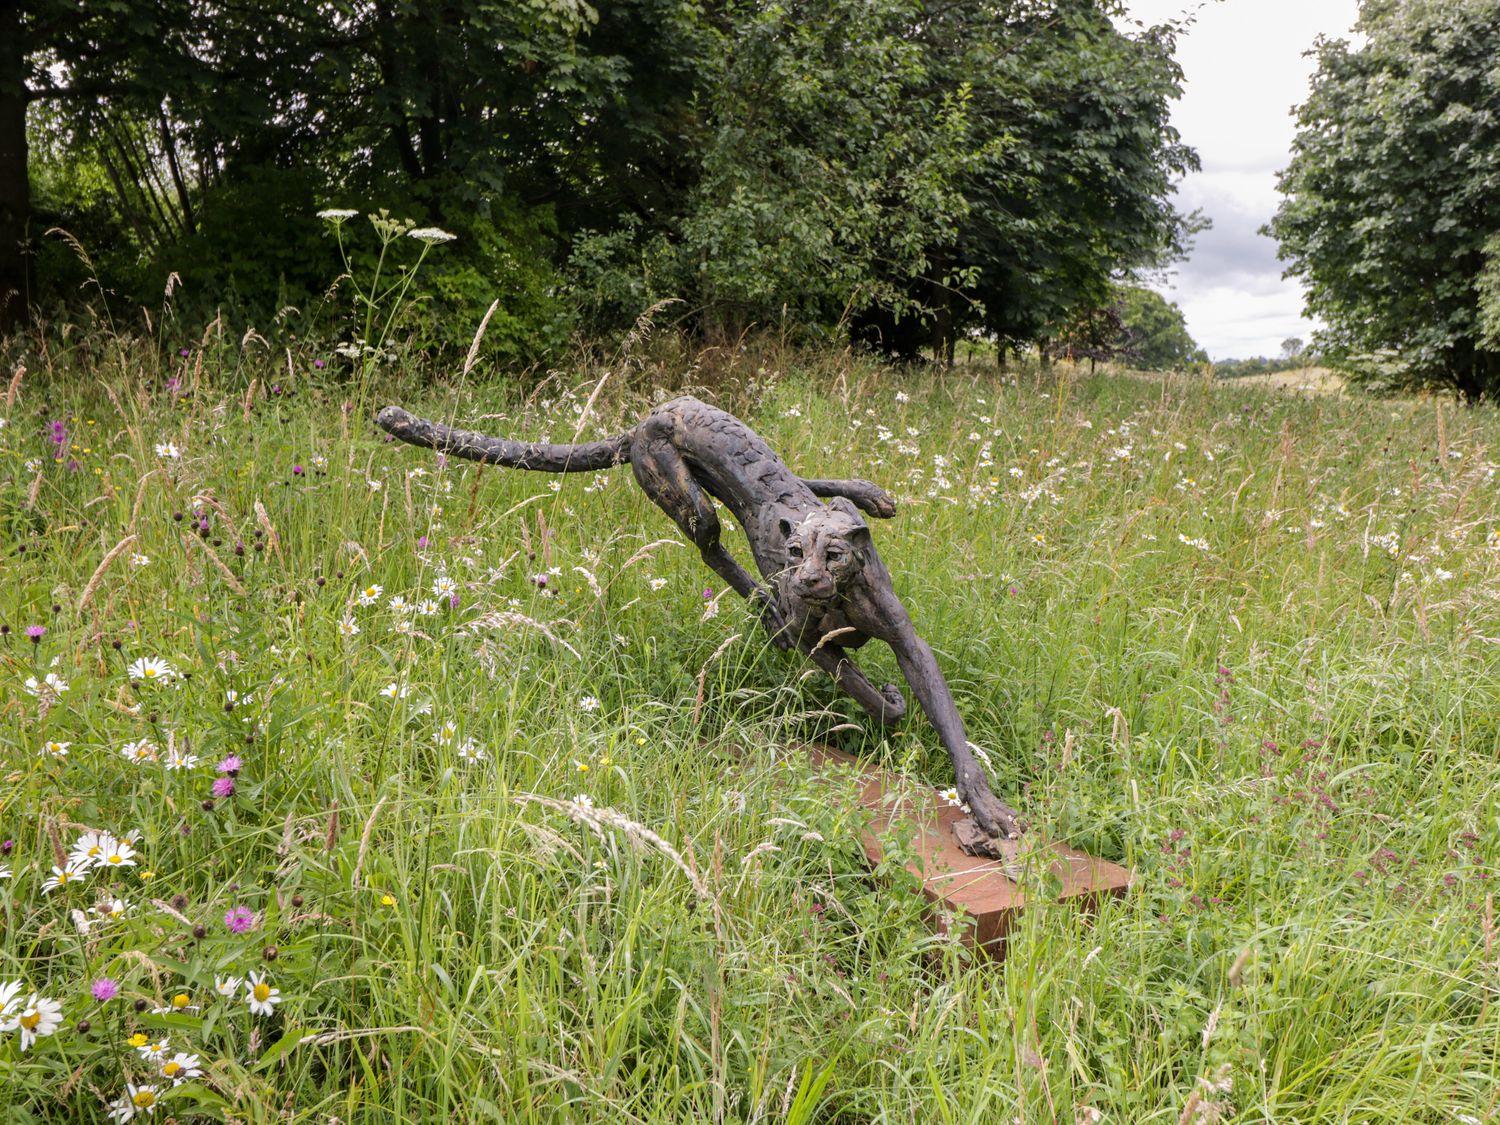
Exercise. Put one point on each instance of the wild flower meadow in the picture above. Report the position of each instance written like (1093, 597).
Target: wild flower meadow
(345, 783)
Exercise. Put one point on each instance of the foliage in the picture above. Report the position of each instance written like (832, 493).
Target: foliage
(1078, 189)
(1259, 365)
(1284, 722)
(1393, 193)
(915, 171)
(1158, 338)
(1139, 327)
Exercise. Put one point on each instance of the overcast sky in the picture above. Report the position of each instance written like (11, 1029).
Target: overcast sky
(1244, 71)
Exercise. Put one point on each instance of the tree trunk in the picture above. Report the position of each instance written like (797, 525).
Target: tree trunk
(15, 183)
(169, 143)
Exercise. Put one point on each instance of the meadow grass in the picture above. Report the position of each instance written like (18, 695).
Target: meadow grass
(536, 851)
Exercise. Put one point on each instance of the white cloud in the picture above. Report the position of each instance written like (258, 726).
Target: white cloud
(1244, 72)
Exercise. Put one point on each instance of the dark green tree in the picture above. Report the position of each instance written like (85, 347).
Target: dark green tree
(1393, 195)
(1074, 185)
(1156, 332)
(78, 56)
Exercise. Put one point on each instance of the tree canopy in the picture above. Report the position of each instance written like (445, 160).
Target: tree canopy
(910, 171)
(1392, 201)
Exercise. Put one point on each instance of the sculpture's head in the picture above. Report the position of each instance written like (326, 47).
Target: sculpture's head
(825, 554)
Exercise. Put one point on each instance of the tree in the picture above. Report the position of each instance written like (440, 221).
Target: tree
(1393, 194)
(67, 52)
(1156, 331)
(920, 169)
(1077, 190)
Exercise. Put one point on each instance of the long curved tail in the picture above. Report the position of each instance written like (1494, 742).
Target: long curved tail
(538, 456)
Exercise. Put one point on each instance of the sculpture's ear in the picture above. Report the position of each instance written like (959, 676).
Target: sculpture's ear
(785, 525)
(847, 507)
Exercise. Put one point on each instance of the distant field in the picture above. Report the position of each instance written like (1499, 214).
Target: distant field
(1310, 380)
(444, 793)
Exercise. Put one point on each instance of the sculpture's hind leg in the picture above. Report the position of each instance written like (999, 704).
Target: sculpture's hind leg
(668, 480)
(884, 704)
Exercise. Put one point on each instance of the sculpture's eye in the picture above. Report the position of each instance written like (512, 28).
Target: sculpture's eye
(794, 550)
(834, 556)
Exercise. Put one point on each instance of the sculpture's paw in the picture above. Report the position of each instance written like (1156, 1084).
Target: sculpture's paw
(993, 815)
(973, 840)
(895, 704)
(881, 503)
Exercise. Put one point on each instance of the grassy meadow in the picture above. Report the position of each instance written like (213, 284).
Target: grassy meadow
(340, 784)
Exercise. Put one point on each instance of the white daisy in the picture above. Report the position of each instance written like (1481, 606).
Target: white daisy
(951, 797)
(135, 1101)
(61, 876)
(8, 993)
(227, 986)
(583, 801)
(55, 749)
(399, 604)
(178, 760)
(395, 691)
(658, 583)
(50, 687)
(181, 1068)
(443, 586)
(139, 560)
(168, 449)
(261, 997)
(155, 1051)
(89, 848)
(427, 607)
(588, 703)
(319, 461)
(151, 669)
(348, 627)
(139, 752)
(445, 734)
(470, 752)
(121, 855)
(370, 594)
(38, 1017)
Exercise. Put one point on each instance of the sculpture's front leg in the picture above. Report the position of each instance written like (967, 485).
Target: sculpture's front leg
(921, 670)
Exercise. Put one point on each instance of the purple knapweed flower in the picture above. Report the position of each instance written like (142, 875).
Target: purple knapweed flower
(454, 601)
(183, 352)
(231, 764)
(239, 919)
(223, 787)
(104, 989)
(296, 470)
(318, 363)
(422, 543)
(35, 633)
